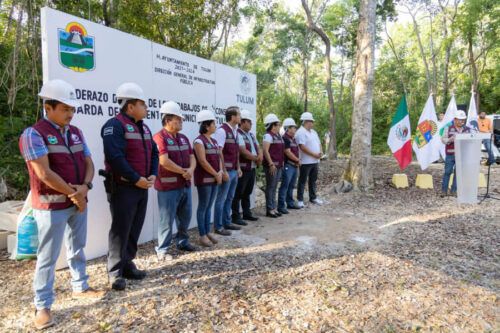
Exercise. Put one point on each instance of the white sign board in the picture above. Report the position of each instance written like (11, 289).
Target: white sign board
(96, 59)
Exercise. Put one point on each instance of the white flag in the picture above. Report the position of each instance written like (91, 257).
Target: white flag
(447, 121)
(427, 140)
(472, 114)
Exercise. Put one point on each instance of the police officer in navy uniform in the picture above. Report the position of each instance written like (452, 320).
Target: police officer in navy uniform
(131, 159)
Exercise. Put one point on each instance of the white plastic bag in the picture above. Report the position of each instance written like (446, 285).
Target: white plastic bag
(27, 233)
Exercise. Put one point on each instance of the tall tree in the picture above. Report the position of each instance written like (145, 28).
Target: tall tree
(332, 148)
(359, 171)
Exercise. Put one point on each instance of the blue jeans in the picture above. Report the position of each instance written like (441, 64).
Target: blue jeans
(449, 168)
(487, 145)
(224, 199)
(288, 180)
(53, 227)
(206, 198)
(174, 205)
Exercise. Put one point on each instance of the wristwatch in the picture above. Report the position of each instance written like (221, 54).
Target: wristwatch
(90, 185)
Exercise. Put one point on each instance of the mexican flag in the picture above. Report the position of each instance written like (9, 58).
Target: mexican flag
(399, 139)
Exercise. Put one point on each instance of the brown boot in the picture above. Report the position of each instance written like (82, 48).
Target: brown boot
(89, 293)
(204, 241)
(212, 238)
(43, 319)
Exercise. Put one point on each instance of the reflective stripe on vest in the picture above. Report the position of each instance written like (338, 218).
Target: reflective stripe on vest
(137, 136)
(168, 179)
(60, 149)
(52, 198)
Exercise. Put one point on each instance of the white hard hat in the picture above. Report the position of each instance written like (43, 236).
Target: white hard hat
(61, 91)
(306, 116)
(245, 114)
(289, 122)
(204, 115)
(271, 118)
(460, 114)
(171, 107)
(129, 90)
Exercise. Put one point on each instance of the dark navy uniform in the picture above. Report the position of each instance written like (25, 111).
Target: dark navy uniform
(130, 153)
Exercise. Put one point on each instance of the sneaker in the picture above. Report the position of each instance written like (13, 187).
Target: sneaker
(283, 211)
(212, 238)
(89, 293)
(164, 256)
(317, 201)
(118, 283)
(188, 248)
(134, 274)
(231, 227)
(271, 214)
(443, 194)
(294, 206)
(223, 232)
(43, 319)
(300, 204)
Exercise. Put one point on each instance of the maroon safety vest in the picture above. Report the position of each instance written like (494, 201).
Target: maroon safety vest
(138, 150)
(66, 160)
(246, 164)
(231, 148)
(294, 147)
(178, 149)
(453, 131)
(201, 176)
(276, 150)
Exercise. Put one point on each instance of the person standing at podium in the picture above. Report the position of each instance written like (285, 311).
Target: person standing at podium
(448, 139)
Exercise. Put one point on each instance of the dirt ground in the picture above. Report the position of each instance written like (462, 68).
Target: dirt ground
(394, 260)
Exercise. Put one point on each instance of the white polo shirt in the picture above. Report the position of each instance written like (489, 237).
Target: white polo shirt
(310, 140)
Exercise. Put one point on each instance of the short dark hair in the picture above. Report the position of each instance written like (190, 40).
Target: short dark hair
(205, 125)
(165, 118)
(271, 125)
(231, 111)
(127, 102)
(52, 102)
(245, 120)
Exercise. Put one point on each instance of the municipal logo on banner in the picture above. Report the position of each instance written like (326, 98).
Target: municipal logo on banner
(425, 132)
(76, 48)
(245, 83)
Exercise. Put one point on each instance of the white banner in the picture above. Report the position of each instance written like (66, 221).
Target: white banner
(96, 59)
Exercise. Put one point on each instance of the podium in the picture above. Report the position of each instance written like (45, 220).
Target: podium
(467, 162)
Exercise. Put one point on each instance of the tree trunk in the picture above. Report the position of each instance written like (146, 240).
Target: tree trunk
(305, 64)
(359, 171)
(422, 52)
(332, 148)
(473, 69)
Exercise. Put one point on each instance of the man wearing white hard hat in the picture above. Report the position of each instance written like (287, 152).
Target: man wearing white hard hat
(290, 169)
(177, 164)
(448, 139)
(227, 139)
(310, 152)
(250, 158)
(61, 172)
(273, 148)
(131, 160)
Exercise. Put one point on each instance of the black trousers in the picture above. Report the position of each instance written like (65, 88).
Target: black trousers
(128, 210)
(243, 191)
(308, 173)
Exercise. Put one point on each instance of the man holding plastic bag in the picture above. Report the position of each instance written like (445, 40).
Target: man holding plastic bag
(61, 171)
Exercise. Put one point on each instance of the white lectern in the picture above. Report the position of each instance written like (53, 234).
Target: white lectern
(467, 159)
